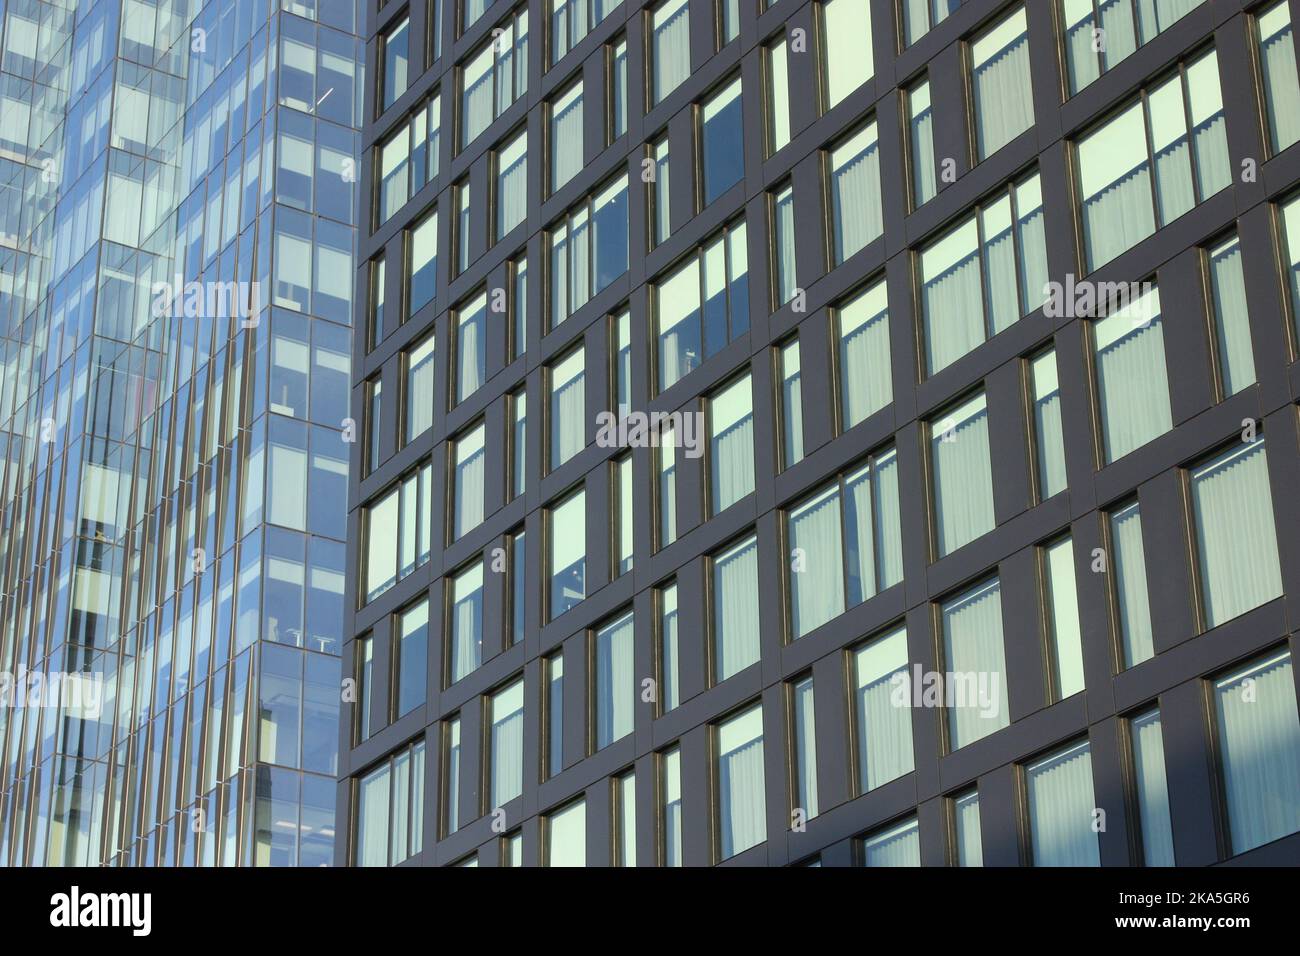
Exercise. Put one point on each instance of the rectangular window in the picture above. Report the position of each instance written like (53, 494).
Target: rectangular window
(1236, 536)
(467, 481)
(589, 249)
(671, 794)
(396, 58)
(742, 808)
(625, 819)
(884, 729)
(669, 692)
(568, 558)
(554, 670)
(390, 810)
(1123, 202)
(518, 440)
(731, 443)
(1259, 751)
(615, 684)
(512, 853)
(493, 77)
(451, 777)
(1291, 253)
(666, 485)
(778, 95)
(1129, 579)
(572, 20)
(423, 245)
(419, 389)
(378, 281)
(857, 217)
(865, 373)
(519, 305)
(721, 132)
(735, 609)
(973, 654)
(1061, 809)
(463, 225)
(1236, 360)
(566, 835)
(791, 404)
(845, 543)
(703, 304)
(466, 623)
(506, 716)
(374, 423)
(518, 587)
(621, 336)
(409, 158)
(622, 514)
(1049, 434)
(471, 346)
(920, 144)
(412, 658)
(670, 48)
(1000, 84)
(966, 816)
(617, 106)
(1278, 65)
(511, 184)
(898, 845)
(365, 687)
(398, 529)
(922, 16)
(997, 258)
(566, 380)
(1101, 33)
(565, 124)
(1062, 614)
(1152, 789)
(845, 47)
(961, 475)
(803, 741)
(660, 210)
(1132, 387)
(784, 274)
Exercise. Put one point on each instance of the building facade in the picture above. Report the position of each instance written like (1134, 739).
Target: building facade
(825, 432)
(179, 186)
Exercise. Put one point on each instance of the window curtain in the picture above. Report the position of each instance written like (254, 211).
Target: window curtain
(1083, 62)
(1003, 291)
(744, 807)
(860, 555)
(970, 843)
(1121, 30)
(615, 685)
(792, 417)
(579, 263)
(469, 493)
(472, 355)
(783, 223)
(817, 587)
(884, 730)
(1156, 16)
(1061, 807)
(1134, 388)
(924, 174)
(1173, 172)
(1212, 160)
(1033, 255)
(419, 400)
(1231, 318)
(569, 404)
(856, 186)
(953, 323)
(452, 786)
(805, 729)
(1051, 443)
(1260, 739)
(672, 52)
(668, 639)
(865, 381)
(401, 812)
(972, 628)
(963, 478)
(372, 814)
(1119, 216)
(512, 198)
(566, 141)
(468, 636)
(736, 621)
(1131, 585)
(1277, 60)
(899, 847)
(672, 783)
(733, 463)
(1152, 790)
(1002, 92)
(476, 108)
(889, 528)
(916, 18)
(508, 750)
(1236, 534)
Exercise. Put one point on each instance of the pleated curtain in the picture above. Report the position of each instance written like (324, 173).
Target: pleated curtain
(1152, 790)
(467, 636)
(1231, 318)
(512, 194)
(1212, 161)
(420, 398)
(1003, 292)
(1051, 443)
(733, 463)
(744, 808)
(672, 52)
(856, 188)
(668, 639)
(889, 528)
(1083, 62)
(865, 372)
(372, 814)
(1033, 258)
(805, 729)
(1236, 534)
(1174, 179)
(1278, 62)
(469, 493)
(615, 686)
(736, 617)
(1061, 808)
(477, 99)
(783, 214)
(1130, 576)
(569, 405)
(972, 628)
(566, 143)
(817, 588)
(970, 843)
(579, 264)
(885, 747)
(901, 847)
(916, 18)
(1259, 737)
(400, 814)
(860, 555)
(1120, 26)
(508, 754)
(963, 479)
(1134, 388)
(1002, 92)
(1119, 216)
(954, 324)
(924, 174)
(471, 354)
(1156, 16)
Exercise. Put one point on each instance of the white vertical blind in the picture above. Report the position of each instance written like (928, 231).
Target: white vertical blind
(897, 846)
(507, 744)
(615, 682)
(970, 844)
(963, 475)
(884, 729)
(972, 633)
(1128, 565)
(1061, 809)
(1004, 106)
(741, 791)
(736, 611)
(1152, 789)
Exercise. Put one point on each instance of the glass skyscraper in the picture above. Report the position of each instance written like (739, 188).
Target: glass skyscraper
(176, 190)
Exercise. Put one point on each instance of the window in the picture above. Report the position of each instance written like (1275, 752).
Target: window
(494, 77)
(783, 246)
(1049, 437)
(568, 568)
(721, 133)
(920, 144)
(898, 845)
(390, 809)
(568, 419)
(518, 586)
(1062, 809)
(512, 184)
(728, 21)
(451, 778)
(471, 346)
(409, 158)
(731, 443)
(865, 373)
(1129, 580)
(566, 835)
(553, 667)
(1122, 202)
(845, 47)
(374, 423)
(670, 48)
(735, 609)
(398, 529)
(1291, 253)
(845, 543)
(565, 113)
(365, 687)
(961, 475)
(1278, 64)
(996, 257)
(463, 224)
(1132, 387)
(1236, 537)
(671, 791)
(803, 742)
(615, 683)
(884, 728)
(377, 294)
(625, 819)
(660, 209)
(1000, 84)
(742, 808)
(972, 647)
(1062, 614)
(506, 714)
(1100, 33)
(466, 624)
(412, 658)
(666, 485)
(621, 339)
(791, 403)
(778, 95)
(1259, 751)
(424, 263)
(519, 303)
(669, 686)
(703, 303)
(419, 389)
(396, 58)
(512, 853)
(471, 10)
(922, 16)
(622, 514)
(1152, 790)
(856, 215)
(617, 105)
(589, 249)
(467, 481)
(518, 440)
(1236, 361)
(571, 20)
(966, 816)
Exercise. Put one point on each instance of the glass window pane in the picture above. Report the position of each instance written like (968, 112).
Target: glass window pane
(962, 475)
(897, 846)
(1129, 571)
(735, 609)
(615, 682)
(1132, 387)
(731, 444)
(1152, 789)
(884, 729)
(1000, 83)
(568, 529)
(973, 653)
(804, 742)
(742, 807)
(566, 836)
(506, 712)
(1062, 809)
